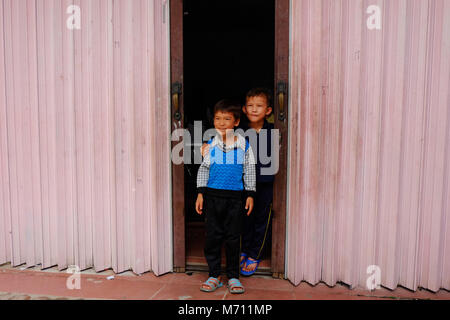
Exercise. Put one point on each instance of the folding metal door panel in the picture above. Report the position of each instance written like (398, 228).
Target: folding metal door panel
(369, 142)
(85, 134)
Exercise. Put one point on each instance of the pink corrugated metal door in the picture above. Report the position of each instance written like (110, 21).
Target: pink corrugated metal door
(84, 135)
(5, 207)
(369, 143)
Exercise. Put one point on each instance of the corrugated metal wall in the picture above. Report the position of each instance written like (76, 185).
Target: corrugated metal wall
(85, 135)
(369, 163)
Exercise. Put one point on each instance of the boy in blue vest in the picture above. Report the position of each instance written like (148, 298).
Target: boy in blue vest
(226, 180)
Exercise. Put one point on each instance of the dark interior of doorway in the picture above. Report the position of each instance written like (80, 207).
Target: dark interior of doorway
(229, 48)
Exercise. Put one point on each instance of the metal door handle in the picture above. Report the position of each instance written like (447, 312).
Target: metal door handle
(176, 92)
(281, 92)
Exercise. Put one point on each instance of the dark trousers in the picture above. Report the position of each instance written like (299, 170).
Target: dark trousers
(258, 226)
(223, 221)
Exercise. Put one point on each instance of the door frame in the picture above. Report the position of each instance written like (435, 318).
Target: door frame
(282, 20)
(281, 75)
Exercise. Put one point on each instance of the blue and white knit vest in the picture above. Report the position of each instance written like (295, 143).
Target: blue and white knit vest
(226, 168)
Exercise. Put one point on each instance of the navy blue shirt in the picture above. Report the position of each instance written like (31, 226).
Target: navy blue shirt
(256, 149)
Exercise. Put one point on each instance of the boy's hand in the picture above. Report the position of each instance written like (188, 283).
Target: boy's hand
(204, 149)
(249, 205)
(199, 204)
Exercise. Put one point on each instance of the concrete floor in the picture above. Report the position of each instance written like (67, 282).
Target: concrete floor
(19, 283)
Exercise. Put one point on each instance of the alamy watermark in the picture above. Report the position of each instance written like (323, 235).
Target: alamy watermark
(374, 21)
(74, 281)
(188, 150)
(374, 280)
(74, 20)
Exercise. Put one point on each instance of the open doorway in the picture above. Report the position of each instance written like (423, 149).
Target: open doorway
(228, 48)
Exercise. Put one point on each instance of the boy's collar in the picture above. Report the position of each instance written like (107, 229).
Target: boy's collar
(240, 143)
(265, 125)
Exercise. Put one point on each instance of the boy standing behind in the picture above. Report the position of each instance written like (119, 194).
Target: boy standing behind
(257, 226)
(225, 179)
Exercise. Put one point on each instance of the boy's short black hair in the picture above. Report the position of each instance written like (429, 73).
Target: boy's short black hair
(228, 106)
(257, 92)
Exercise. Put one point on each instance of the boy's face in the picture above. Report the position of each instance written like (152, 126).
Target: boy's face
(225, 121)
(257, 108)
